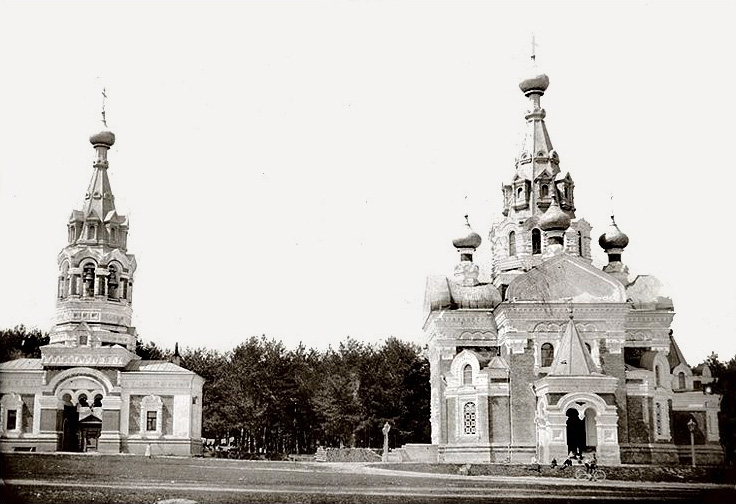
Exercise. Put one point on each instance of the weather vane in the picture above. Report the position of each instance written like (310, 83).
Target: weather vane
(104, 97)
(613, 213)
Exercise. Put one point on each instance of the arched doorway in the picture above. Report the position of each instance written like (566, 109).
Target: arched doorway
(70, 429)
(81, 392)
(575, 432)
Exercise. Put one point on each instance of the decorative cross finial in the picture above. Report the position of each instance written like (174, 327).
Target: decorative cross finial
(104, 97)
(534, 48)
(467, 222)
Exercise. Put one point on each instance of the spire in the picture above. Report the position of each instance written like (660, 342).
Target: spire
(96, 273)
(537, 153)
(98, 223)
(176, 358)
(572, 357)
(99, 202)
(537, 175)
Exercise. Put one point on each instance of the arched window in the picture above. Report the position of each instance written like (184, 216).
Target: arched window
(519, 193)
(544, 191)
(536, 241)
(82, 400)
(97, 403)
(681, 381)
(657, 382)
(548, 354)
(467, 375)
(88, 277)
(587, 345)
(512, 243)
(90, 232)
(580, 243)
(112, 282)
(469, 418)
(64, 280)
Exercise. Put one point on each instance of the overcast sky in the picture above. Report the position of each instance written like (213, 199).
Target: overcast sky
(297, 169)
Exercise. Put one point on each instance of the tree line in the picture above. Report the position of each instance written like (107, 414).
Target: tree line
(267, 399)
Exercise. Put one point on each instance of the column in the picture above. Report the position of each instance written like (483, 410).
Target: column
(110, 440)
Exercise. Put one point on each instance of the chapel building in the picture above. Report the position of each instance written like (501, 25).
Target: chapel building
(89, 391)
(554, 356)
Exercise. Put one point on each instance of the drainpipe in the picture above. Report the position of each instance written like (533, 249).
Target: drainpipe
(511, 423)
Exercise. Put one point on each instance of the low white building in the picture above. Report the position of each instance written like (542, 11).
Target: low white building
(89, 391)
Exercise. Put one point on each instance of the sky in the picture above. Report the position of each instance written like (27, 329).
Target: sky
(297, 169)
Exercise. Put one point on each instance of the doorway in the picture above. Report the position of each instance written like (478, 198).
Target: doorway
(576, 438)
(89, 433)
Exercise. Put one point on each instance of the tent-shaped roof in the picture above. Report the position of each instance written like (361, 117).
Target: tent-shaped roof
(572, 357)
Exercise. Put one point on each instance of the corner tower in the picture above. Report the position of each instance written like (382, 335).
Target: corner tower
(95, 283)
(517, 241)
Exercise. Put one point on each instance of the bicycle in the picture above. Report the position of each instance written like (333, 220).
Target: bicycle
(595, 475)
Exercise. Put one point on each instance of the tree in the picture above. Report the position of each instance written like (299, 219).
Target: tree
(149, 351)
(725, 385)
(20, 342)
(217, 415)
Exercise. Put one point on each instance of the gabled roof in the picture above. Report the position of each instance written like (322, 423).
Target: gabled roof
(565, 278)
(572, 357)
(23, 364)
(156, 366)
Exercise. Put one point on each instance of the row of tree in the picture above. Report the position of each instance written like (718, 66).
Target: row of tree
(274, 400)
(269, 399)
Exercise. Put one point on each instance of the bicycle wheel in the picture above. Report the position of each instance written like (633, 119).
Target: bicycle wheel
(599, 475)
(581, 473)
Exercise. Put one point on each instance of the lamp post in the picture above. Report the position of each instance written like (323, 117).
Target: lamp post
(691, 427)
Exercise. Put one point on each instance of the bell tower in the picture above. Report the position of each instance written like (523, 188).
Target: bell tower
(95, 282)
(517, 241)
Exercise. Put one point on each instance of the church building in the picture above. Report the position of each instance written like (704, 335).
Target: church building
(555, 356)
(89, 391)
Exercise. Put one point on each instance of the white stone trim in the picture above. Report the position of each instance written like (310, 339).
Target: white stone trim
(151, 403)
(11, 402)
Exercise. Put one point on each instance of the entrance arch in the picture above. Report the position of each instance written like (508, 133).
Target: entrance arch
(575, 421)
(80, 392)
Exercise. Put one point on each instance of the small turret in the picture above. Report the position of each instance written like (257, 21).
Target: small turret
(554, 222)
(466, 273)
(613, 242)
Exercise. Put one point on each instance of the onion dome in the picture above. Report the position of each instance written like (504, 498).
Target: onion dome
(468, 238)
(554, 218)
(613, 238)
(104, 137)
(536, 82)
